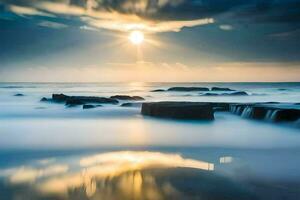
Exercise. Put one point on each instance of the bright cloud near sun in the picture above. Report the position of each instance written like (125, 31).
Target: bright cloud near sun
(112, 19)
(125, 25)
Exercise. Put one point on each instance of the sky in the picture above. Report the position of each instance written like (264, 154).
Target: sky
(184, 40)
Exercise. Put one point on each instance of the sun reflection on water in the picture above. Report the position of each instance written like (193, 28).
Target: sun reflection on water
(117, 175)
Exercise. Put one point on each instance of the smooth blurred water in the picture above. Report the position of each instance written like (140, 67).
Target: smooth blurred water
(261, 156)
(28, 123)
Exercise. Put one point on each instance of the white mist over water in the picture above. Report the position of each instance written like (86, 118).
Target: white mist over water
(116, 130)
(28, 123)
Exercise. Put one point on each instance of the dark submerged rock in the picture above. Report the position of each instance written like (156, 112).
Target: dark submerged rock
(89, 106)
(19, 95)
(210, 94)
(238, 93)
(40, 107)
(188, 89)
(179, 110)
(158, 90)
(131, 104)
(44, 99)
(282, 89)
(127, 98)
(221, 89)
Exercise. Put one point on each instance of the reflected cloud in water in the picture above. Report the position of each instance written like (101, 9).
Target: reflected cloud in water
(46, 161)
(28, 174)
(226, 159)
(125, 175)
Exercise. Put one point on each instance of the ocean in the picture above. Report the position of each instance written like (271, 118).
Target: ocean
(51, 151)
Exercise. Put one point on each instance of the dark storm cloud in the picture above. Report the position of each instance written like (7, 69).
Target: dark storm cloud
(270, 12)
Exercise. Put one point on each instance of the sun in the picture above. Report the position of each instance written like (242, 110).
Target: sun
(136, 37)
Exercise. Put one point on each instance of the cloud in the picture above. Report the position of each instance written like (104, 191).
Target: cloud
(121, 16)
(125, 25)
(61, 8)
(89, 28)
(54, 25)
(226, 27)
(286, 34)
(269, 11)
(21, 10)
(46, 161)
(255, 20)
(128, 16)
(159, 15)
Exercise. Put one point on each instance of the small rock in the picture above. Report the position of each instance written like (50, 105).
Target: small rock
(131, 104)
(158, 90)
(239, 93)
(19, 95)
(211, 94)
(282, 89)
(44, 99)
(188, 89)
(221, 89)
(40, 107)
(127, 98)
(89, 106)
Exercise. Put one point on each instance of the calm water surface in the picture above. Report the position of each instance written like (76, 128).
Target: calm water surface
(49, 151)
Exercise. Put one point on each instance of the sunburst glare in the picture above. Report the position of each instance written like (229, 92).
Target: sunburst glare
(136, 37)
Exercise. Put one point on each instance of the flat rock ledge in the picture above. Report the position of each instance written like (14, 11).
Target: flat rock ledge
(266, 111)
(179, 110)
